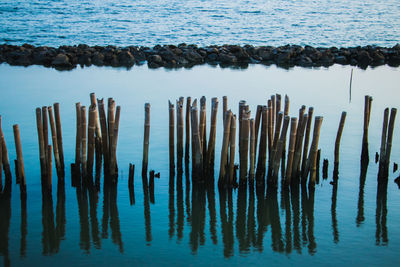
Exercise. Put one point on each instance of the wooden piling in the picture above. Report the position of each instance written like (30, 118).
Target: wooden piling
(224, 108)
(244, 149)
(273, 107)
(262, 149)
(276, 140)
(313, 150)
(171, 109)
(179, 131)
(367, 114)
(113, 162)
(91, 139)
(203, 125)
(306, 141)
(270, 129)
(384, 136)
(104, 135)
(278, 104)
(111, 123)
(78, 142)
(187, 124)
(42, 154)
(338, 136)
(59, 135)
(224, 150)
(83, 140)
(54, 140)
(146, 138)
(279, 148)
(252, 149)
(211, 142)
(299, 146)
(96, 119)
(257, 123)
(242, 103)
(393, 112)
(232, 144)
(45, 127)
(292, 143)
(20, 160)
(4, 155)
(196, 145)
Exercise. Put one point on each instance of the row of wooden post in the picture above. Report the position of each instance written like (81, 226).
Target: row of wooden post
(97, 136)
(45, 116)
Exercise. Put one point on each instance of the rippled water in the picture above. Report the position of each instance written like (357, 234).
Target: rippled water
(259, 22)
(347, 224)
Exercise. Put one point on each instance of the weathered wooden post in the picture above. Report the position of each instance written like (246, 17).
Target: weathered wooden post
(59, 135)
(224, 150)
(197, 167)
(42, 154)
(292, 143)
(146, 139)
(83, 140)
(104, 133)
(91, 139)
(337, 143)
(113, 164)
(179, 131)
(244, 150)
(252, 149)
(187, 135)
(171, 109)
(314, 150)
(367, 115)
(20, 160)
(203, 126)
(278, 152)
(232, 145)
(211, 142)
(306, 141)
(78, 142)
(54, 141)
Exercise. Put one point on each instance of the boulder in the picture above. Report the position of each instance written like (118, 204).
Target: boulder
(125, 58)
(98, 59)
(61, 60)
(364, 59)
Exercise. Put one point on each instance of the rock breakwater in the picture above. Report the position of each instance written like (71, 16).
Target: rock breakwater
(183, 55)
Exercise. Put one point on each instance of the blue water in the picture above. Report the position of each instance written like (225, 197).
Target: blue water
(258, 22)
(182, 228)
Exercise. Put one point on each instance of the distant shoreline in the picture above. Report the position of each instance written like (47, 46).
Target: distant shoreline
(183, 55)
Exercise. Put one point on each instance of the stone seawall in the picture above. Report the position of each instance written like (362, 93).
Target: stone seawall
(183, 55)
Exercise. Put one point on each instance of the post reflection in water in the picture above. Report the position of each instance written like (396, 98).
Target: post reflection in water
(225, 197)
(360, 205)
(5, 215)
(197, 237)
(24, 226)
(171, 204)
(110, 215)
(180, 220)
(381, 212)
(146, 205)
(335, 230)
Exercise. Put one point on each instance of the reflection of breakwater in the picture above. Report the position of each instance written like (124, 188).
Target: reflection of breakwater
(182, 55)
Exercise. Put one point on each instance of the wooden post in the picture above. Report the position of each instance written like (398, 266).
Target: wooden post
(146, 138)
(244, 154)
(45, 127)
(278, 104)
(20, 160)
(275, 142)
(96, 120)
(131, 174)
(299, 146)
(211, 142)
(314, 150)
(4, 155)
(270, 129)
(232, 144)
(42, 154)
(306, 141)
(111, 123)
(104, 135)
(279, 148)
(262, 150)
(367, 114)
(252, 149)
(196, 145)
(83, 140)
(338, 136)
(187, 135)
(242, 103)
(179, 131)
(78, 142)
(292, 143)
(273, 119)
(113, 164)
(384, 137)
(285, 113)
(171, 109)
(224, 107)
(202, 126)
(59, 135)
(257, 123)
(54, 140)
(224, 150)
(91, 139)
(390, 136)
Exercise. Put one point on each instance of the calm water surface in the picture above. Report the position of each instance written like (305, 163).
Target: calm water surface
(342, 225)
(202, 22)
